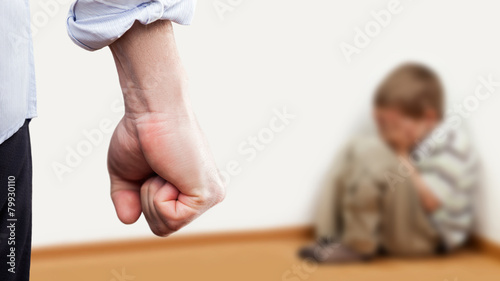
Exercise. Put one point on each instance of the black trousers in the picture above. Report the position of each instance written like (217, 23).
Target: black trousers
(15, 202)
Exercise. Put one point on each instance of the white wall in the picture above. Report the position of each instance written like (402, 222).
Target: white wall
(263, 55)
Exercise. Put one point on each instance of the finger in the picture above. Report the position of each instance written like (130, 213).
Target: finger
(148, 191)
(144, 200)
(126, 199)
(170, 208)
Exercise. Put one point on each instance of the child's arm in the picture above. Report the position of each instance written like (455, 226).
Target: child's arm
(430, 202)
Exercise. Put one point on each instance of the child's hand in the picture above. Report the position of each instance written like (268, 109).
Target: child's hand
(402, 133)
(402, 140)
(412, 131)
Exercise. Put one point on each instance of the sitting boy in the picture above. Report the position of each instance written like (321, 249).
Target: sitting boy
(406, 191)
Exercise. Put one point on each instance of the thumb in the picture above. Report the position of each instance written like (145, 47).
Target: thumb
(127, 200)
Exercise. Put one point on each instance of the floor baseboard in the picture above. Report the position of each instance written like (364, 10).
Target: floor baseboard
(299, 232)
(98, 248)
(486, 246)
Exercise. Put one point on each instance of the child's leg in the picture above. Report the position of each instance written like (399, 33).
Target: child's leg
(361, 217)
(350, 209)
(360, 203)
(375, 214)
(406, 227)
(362, 212)
(327, 216)
(327, 220)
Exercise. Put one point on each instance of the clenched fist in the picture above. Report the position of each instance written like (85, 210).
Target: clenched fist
(159, 161)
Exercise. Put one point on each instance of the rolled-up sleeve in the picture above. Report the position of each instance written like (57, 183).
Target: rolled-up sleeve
(94, 24)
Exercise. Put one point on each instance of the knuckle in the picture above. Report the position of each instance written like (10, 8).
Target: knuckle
(220, 195)
(219, 192)
(212, 195)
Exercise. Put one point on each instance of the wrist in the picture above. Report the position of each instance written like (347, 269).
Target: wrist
(150, 71)
(165, 99)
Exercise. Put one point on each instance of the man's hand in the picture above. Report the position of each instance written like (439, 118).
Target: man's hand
(159, 161)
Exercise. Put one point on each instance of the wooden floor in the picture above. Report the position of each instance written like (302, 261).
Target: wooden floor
(264, 259)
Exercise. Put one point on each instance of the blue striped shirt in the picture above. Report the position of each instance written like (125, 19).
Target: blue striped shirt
(17, 73)
(91, 24)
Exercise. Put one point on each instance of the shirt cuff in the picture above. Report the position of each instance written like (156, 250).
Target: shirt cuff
(94, 24)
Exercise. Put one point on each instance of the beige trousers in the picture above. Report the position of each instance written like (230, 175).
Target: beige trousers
(362, 209)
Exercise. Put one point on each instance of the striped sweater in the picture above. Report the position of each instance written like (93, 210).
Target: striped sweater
(449, 167)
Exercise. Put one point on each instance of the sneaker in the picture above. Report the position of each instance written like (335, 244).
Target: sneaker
(330, 252)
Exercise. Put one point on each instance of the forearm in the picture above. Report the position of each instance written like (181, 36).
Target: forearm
(430, 202)
(151, 74)
(159, 161)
